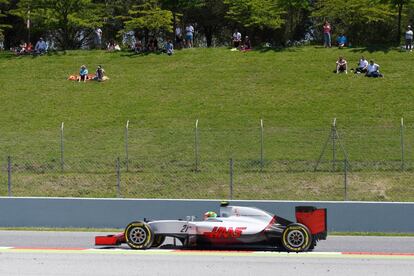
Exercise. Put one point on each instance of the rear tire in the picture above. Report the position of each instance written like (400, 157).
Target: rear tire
(296, 238)
(139, 235)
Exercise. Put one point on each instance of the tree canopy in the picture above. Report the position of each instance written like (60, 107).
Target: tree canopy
(72, 22)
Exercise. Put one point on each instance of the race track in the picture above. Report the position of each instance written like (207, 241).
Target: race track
(73, 253)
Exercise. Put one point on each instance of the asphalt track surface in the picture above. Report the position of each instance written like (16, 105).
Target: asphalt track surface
(74, 253)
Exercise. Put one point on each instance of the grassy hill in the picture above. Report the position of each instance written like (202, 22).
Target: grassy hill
(294, 91)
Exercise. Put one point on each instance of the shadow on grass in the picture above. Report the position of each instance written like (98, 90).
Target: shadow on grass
(374, 48)
(133, 54)
(12, 55)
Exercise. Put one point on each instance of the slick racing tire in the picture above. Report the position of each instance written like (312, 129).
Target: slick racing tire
(296, 238)
(158, 240)
(139, 235)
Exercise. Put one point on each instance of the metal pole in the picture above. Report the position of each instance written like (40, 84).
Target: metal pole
(118, 179)
(9, 180)
(261, 145)
(402, 144)
(126, 146)
(345, 179)
(231, 177)
(62, 148)
(196, 146)
(334, 145)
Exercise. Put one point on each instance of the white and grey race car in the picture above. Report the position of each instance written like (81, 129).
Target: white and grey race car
(235, 227)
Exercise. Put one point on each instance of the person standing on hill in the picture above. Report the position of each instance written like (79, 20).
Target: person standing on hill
(409, 39)
(327, 34)
(189, 35)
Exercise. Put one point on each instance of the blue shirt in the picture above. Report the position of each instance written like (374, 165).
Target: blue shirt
(342, 39)
(83, 71)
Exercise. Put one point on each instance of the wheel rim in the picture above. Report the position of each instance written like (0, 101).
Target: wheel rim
(138, 235)
(296, 238)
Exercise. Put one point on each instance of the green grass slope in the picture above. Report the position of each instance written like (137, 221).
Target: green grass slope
(294, 91)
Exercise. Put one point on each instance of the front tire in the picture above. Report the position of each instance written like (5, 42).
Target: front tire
(139, 235)
(158, 241)
(296, 238)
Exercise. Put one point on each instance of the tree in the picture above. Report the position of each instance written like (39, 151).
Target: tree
(400, 5)
(65, 18)
(3, 7)
(149, 16)
(359, 19)
(296, 11)
(255, 13)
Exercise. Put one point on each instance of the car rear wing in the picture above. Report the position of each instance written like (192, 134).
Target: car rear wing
(315, 219)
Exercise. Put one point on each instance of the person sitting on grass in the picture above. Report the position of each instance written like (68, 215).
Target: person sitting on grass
(169, 48)
(362, 66)
(40, 47)
(99, 74)
(342, 40)
(373, 70)
(247, 45)
(341, 66)
(83, 73)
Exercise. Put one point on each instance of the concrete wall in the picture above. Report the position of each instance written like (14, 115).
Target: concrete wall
(117, 213)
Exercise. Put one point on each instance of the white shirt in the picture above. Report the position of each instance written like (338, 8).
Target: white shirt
(372, 68)
(178, 31)
(99, 32)
(189, 30)
(363, 63)
(409, 34)
(237, 36)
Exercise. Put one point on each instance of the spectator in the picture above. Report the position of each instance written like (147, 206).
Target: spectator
(409, 39)
(98, 40)
(327, 34)
(99, 74)
(342, 41)
(139, 48)
(236, 39)
(1, 45)
(373, 70)
(247, 45)
(178, 37)
(40, 47)
(189, 35)
(22, 48)
(341, 66)
(362, 66)
(169, 47)
(83, 74)
(152, 45)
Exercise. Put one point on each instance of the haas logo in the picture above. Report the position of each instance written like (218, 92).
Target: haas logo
(224, 232)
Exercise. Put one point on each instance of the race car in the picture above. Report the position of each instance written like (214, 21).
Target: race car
(234, 227)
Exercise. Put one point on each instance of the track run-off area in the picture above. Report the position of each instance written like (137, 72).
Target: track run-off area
(74, 253)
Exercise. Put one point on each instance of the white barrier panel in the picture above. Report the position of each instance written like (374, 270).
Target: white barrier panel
(117, 213)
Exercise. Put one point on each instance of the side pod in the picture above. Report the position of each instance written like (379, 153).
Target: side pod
(315, 219)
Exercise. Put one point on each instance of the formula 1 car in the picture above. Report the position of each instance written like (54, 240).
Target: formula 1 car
(234, 227)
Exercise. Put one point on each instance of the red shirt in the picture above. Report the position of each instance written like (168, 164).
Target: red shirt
(327, 28)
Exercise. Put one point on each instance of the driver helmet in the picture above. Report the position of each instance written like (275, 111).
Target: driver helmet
(210, 214)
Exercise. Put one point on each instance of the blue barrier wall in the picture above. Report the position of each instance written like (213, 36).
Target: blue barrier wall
(117, 213)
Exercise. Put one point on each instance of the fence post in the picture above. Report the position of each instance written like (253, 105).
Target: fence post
(9, 175)
(334, 145)
(231, 177)
(126, 146)
(118, 178)
(62, 148)
(345, 179)
(261, 145)
(402, 144)
(196, 146)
